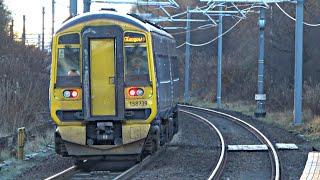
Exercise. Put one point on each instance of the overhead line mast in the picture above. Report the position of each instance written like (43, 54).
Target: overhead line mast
(53, 17)
(24, 30)
(43, 12)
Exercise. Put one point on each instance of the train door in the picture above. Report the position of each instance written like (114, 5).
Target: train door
(103, 79)
(102, 73)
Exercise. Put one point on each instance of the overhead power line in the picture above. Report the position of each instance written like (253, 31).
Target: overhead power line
(294, 19)
(232, 27)
(214, 39)
(195, 29)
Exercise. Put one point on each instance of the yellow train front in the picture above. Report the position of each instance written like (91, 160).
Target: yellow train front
(113, 87)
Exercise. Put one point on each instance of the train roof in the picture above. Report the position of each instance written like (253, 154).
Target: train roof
(125, 18)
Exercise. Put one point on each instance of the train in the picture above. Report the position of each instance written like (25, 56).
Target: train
(113, 86)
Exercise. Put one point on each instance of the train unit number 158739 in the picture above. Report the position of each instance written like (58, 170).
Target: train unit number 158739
(113, 87)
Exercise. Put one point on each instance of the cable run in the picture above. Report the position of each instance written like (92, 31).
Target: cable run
(214, 39)
(201, 28)
(294, 19)
(195, 29)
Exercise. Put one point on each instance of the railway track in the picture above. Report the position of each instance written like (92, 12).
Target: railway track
(216, 172)
(76, 172)
(275, 165)
(219, 167)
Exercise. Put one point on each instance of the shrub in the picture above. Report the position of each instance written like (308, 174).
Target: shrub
(311, 98)
(23, 87)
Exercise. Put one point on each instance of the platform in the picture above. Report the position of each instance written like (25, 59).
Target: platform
(312, 169)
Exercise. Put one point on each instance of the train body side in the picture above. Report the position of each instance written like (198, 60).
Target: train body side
(166, 64)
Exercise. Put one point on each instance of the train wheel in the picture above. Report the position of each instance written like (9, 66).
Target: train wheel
(163, 134)
(152, 143)
(60, 148)
(175, 122)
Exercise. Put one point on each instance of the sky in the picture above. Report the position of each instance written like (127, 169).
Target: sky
(33, 11)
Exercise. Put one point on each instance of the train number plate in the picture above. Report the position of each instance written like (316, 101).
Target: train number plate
(138, 103)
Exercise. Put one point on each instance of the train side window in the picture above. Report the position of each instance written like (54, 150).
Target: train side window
(163, 65)
(137, 69)
(175, 68)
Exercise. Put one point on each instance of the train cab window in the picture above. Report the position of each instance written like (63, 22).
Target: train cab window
(137, 71)
(68, 69)
(69, 39)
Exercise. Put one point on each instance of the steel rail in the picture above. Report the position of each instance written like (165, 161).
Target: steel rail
(134, 169)
(64, 174)
(218, 168)
(124, 175)
(274, 160)
(247, 1)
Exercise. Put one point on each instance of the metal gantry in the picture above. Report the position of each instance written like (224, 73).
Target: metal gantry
(260, 96)
(213, 18)
(162, 4)
(214, 11)
(166, 3)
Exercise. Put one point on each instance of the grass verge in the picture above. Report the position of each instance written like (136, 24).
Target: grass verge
(310, 129)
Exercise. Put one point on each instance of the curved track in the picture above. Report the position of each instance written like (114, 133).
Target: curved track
(272, 152)
(219, 166)
(76, 173)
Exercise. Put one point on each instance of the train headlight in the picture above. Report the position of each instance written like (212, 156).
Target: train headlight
(132, 92)
(136, 92)
(66, 94)
(140, 92)
(70, 93)
(74, 94)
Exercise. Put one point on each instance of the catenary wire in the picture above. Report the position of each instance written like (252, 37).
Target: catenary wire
(192, 30)
(294, 19)
(214, 39)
